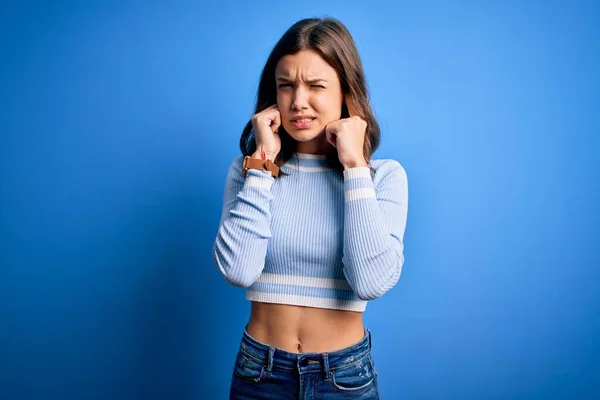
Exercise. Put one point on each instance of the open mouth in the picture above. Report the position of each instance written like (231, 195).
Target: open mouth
(303, 123)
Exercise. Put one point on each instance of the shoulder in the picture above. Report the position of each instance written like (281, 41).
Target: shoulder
(234, 173)
(388, 171)
(236, 164)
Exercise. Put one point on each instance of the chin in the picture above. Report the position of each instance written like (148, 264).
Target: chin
(304, 135)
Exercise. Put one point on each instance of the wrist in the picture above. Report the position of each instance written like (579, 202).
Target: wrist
(355, 164)
(268, 156)
(259, 164)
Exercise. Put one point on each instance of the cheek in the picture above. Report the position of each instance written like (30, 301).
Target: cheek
(283, 104)
(282, 99)
(329, 107)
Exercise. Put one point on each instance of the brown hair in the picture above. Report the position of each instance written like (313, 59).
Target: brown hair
(332, 40)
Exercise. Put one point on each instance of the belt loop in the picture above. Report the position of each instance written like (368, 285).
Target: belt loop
(370, 340)
(270, 359)
(326, 365)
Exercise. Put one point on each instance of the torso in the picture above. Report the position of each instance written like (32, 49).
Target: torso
(311, 249)
(299, 329)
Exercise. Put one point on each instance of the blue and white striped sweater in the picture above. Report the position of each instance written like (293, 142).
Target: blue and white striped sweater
(315, 237)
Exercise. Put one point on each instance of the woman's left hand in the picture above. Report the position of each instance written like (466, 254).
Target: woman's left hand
(347, 135)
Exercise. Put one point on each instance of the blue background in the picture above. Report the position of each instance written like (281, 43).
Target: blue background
(119, 120)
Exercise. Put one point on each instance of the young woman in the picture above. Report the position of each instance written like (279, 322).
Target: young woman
(311, 225)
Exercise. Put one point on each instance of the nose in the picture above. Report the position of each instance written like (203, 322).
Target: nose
(300, 99)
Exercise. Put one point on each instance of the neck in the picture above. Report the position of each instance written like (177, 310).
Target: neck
(308, 162)
(318, 145)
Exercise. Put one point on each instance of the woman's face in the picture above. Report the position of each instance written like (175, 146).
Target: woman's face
(309, 96)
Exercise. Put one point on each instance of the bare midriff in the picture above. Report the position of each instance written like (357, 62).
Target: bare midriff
(299, 329)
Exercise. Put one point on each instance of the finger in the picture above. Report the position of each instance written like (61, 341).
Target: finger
(269, 109)
(331, 138)
(272, 111)
(331, 134)
(333, 127)
(276, 123)
(350, 106)
(271, 114)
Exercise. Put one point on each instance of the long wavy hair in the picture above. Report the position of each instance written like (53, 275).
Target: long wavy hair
(334, 43)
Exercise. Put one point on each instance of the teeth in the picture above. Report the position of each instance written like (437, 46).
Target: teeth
(304, 120)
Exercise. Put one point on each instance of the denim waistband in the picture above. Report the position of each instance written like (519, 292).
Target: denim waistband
(305, 362)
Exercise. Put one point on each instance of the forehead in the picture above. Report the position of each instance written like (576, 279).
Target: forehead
(308, 63)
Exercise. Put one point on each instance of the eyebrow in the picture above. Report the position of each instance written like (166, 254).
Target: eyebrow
(316, 80)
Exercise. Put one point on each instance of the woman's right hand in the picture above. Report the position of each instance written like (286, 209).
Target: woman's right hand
(265, 125)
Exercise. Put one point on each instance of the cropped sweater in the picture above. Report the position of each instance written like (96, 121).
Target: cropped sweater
(316, 237)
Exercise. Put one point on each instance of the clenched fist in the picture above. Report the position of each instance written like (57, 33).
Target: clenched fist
(265, 125)
(347, 135)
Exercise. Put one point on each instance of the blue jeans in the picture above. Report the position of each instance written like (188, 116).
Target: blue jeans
(262, 371)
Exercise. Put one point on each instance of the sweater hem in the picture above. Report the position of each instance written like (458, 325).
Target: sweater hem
(317, 302)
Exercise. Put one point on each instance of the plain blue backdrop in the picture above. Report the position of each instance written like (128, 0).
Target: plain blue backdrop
(118, 121)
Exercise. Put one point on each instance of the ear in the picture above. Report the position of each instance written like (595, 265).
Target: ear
(350, 106)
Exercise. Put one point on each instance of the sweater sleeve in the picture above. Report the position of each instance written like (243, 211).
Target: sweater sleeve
(374, 224)
(240, 247)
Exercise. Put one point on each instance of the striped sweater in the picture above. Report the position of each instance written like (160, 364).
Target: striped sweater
(315, 237)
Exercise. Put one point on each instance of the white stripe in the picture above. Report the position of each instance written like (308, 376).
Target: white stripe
(326, 283)
(307, 169)
(311, 156)
(362, 193)
(357, 172)
(255, 181)
(319, 302)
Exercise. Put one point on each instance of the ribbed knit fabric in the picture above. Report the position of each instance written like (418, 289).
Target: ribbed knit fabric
(316, 237)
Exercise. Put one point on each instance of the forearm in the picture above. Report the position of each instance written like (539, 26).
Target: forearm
(240, 247)
(373, 248)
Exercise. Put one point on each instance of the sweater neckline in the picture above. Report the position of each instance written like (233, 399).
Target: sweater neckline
(311, 156)
(308, 162)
